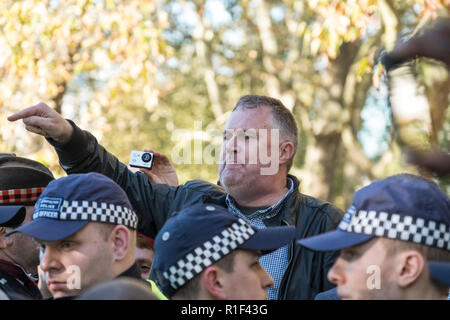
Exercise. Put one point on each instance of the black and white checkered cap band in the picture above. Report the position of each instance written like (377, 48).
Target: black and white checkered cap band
(208, 253)
(82, 210)
(401, 227)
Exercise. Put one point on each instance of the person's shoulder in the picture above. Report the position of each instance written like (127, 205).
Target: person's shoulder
(11, 288)
(3, 295)
(328, 295)
(316, 206)
(204, 187)
(311, 206)
(3, 282)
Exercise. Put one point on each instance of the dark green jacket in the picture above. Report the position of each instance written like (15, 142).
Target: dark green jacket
(306, 274)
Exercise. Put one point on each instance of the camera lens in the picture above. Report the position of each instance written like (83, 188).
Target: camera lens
(146, 157)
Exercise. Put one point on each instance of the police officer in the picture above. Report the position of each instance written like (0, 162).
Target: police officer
(21, 183)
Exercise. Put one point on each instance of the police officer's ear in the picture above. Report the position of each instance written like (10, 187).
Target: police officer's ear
(410, 267)
(121, 242)
(212, 282)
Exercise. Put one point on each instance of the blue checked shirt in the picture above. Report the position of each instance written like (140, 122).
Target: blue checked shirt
(276, 262)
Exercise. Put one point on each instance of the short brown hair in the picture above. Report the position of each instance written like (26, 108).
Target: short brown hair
(281, 115)
(105, 230)
(191, 289)
(142, 242)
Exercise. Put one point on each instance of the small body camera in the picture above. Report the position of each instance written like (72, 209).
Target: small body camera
(141, 159)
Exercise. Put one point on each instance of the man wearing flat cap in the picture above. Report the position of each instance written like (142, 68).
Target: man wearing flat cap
(394, 242)
(86, 228)
(21, 183)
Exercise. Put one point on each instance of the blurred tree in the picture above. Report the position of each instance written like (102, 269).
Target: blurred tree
(316, 56)
(139, 74)
(51, 50)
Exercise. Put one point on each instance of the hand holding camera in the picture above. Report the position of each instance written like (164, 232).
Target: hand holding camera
(158, 170)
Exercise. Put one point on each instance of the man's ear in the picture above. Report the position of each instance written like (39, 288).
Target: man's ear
(121, 241)
(5, 241)
(286, 151)
(410, 266)
(212, 283)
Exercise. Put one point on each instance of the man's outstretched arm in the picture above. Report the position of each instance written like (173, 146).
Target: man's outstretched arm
(43, 120)
(80, 152)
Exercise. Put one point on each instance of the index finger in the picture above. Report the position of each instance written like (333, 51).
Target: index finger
(25, 113)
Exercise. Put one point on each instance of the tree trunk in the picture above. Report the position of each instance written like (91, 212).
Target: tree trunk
(320, 165)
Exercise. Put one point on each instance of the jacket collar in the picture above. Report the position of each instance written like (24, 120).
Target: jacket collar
(21, 277)
(14, 270)
(290, 201)
(269, 212)
(131, 272)
(287, 217)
